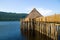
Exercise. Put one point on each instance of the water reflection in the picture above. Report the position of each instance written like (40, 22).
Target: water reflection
(35, 36)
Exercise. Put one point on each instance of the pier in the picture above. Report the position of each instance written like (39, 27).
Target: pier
(47, 26)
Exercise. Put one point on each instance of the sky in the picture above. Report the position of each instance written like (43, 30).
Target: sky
(45, 7)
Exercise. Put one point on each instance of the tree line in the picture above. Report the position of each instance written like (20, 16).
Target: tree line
(5, 16)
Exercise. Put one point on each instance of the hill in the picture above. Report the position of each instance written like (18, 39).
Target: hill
(5, 16)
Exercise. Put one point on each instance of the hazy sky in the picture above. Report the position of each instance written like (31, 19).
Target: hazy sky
(45, 7)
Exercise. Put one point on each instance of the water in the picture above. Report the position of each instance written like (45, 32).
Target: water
(10, 30)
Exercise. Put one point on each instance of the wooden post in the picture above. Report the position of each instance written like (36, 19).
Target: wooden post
(56, 32)
(29, 24)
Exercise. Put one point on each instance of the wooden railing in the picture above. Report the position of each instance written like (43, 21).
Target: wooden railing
(46, 25)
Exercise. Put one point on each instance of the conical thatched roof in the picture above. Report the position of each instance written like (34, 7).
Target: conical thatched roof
(33, 14)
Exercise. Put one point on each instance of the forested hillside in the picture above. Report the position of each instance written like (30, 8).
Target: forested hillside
(5, 16)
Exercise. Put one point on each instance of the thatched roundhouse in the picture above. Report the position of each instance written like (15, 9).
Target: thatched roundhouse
(48, 25)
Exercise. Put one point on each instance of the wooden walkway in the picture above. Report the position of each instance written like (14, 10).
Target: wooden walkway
(49, 29)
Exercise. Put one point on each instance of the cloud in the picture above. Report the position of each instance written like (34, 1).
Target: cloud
(44, 12)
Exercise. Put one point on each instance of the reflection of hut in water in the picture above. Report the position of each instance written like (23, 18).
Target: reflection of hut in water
(48, 25)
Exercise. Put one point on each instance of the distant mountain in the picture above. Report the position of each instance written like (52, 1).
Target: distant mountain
(5, 16)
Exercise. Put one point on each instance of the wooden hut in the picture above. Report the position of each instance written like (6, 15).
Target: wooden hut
(33, 14)
(30, 18)
(46, 25)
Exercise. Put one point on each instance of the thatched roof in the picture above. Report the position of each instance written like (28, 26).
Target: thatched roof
(51, 18)
(33, 14)
(54, 18)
